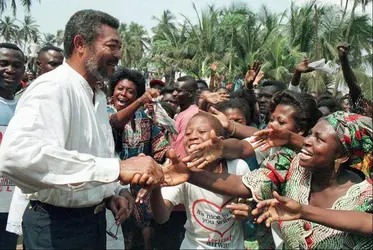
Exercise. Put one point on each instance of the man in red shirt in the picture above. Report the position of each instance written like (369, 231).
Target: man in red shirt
(185, 94)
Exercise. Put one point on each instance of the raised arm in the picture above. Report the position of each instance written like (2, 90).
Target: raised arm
(214, 68)
(122, 117)
(299, 69)
(348, 74)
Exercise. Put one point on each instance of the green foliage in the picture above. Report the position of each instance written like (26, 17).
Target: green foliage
(234, 37)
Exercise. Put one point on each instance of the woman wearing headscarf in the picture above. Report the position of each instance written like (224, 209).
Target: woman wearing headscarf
(330, 172)
(354, 132)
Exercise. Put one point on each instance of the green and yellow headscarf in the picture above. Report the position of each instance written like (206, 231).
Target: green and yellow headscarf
(355, 132)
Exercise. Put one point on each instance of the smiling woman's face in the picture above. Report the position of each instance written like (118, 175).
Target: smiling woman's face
(125, 93)
(321, 147)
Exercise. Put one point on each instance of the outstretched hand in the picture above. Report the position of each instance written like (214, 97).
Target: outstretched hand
(216, 97)
(258, 78)
(303, 67)
(175, 172)
(205, 153)
(141, 170)
(269, 138)
(240, 211)
(220, 116)
(279, 208)
(252, 72)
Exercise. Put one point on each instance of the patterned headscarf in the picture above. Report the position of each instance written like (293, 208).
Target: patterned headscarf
(355, 132)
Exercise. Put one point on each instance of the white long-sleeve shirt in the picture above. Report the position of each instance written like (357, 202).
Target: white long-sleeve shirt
(58, 147)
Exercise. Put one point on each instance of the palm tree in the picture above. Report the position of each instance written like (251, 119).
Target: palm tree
(229, 29)
(235, 36)
(279, 58)
(363, 4)
(135, 43)
(9, 29)
(165, 27)
(59, 37)
(13, 5)
(48, 39)
(203, 40)
(28, 31)
(169, 52)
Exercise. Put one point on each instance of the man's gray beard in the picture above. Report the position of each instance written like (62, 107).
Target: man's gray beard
(92, 69)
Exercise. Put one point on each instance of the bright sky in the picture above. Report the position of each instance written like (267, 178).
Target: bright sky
(52, 15)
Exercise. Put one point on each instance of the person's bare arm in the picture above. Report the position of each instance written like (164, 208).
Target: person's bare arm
(268, 138)
(302, 67)
(361, 223)
(213, 68)
(285, 209)
(203, 154)
(237, 149)
(122, 117)
(240, 131)
(225, 184)
(161, 208)
(233, 128)
(348, 74)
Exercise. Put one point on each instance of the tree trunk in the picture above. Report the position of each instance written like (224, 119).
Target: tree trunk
(344, 12)
(316, 19)
(231, 56)
(351, 21)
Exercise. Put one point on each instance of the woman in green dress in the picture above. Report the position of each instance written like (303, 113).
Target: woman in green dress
(330, 173)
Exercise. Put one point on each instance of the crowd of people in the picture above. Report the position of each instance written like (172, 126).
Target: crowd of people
(90, 157)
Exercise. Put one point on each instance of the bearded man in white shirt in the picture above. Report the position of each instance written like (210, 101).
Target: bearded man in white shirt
(59, 149)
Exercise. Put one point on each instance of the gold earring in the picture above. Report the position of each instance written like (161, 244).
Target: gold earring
(337, 165)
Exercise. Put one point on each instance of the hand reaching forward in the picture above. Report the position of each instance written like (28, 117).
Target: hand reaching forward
(269, 138)
(240, 211)
(140, 170)
(175, 172)
(280, 208)
(205, 153)
(220, 116)
(216, 97)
